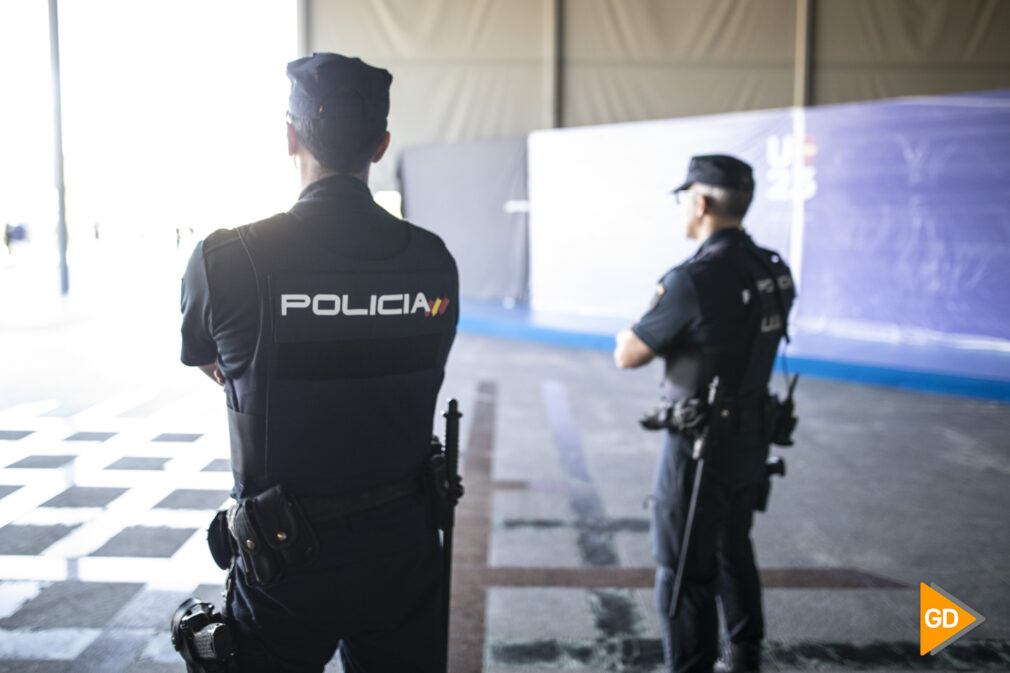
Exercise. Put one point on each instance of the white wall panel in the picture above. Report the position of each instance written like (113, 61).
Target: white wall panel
(603, 225)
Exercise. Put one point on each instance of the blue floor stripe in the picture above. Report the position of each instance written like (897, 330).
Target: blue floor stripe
(515, 325)
(909, 379)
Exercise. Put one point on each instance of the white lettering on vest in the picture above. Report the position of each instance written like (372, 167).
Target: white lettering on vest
(353, 311)
(420, 302)
(294, 301)
(771, 323)
(336, 304)
(382, 310)
(332, 298)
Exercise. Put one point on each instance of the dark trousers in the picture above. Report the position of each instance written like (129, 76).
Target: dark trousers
(372, 593)
(720, 562)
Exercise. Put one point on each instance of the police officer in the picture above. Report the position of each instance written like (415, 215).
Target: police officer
(328, 327)
(719, 314)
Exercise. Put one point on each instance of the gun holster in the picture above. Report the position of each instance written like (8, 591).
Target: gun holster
(203, 637)
(271, 533)
(687, 415)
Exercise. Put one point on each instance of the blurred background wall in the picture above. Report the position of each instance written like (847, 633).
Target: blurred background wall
(173, 127)
(861, 199)
(479, 69)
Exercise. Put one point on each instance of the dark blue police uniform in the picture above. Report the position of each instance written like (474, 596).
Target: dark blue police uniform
(332, 323)
(720, 313)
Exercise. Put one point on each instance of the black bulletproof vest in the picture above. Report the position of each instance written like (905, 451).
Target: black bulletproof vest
(745, 294)
(340, 394)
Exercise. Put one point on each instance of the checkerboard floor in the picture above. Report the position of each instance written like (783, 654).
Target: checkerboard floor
(102, 532)
(103, 510)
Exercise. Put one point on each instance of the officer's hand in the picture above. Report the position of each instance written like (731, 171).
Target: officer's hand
(631, 351)
(213, 372)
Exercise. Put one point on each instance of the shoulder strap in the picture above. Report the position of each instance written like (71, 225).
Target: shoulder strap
(756, 342)
(756, 255)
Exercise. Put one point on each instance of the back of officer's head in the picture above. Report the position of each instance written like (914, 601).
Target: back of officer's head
(338, 108)
(725, 202)
(726, 182)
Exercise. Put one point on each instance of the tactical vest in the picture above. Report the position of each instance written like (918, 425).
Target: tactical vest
(734, 271)
(340, 394)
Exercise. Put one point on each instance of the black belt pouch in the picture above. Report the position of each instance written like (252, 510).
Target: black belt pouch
(284, 526)
(272, 534)
(220, 541)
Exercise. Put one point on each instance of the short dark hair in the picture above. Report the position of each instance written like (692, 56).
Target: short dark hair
(724, 201)
(338, 144)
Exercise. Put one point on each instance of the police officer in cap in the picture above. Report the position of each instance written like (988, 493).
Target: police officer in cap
(719, 314)
(328, 327)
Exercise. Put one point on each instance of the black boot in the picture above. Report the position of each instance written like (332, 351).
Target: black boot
(744, 658)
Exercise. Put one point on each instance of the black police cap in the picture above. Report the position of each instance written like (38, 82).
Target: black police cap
(720, 170)
(331, 86)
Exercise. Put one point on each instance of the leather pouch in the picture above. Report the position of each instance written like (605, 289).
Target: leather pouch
(262, 564)
(284, 527)
(220, 541)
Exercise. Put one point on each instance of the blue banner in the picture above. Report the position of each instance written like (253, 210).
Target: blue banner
(907, 239)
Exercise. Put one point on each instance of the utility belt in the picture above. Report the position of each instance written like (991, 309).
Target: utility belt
(690, 416)
(276, 530)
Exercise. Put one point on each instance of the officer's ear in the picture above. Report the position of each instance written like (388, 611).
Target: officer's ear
(702, 205)
(381, 149)
(292, 141)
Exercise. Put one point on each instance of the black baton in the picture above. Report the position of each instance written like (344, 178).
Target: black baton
(716, 414)
(453, 493)
(686, 540)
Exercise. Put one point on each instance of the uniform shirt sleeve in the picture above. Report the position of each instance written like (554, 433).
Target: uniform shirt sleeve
(675, 308)
(198, 347)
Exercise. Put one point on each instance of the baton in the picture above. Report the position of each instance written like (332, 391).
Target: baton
(452, 416)
(686, 541)
(715, 414)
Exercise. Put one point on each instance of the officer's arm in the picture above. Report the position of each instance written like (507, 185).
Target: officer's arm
(631, 351)
(213, 372)
(198, 345)
(674, 309)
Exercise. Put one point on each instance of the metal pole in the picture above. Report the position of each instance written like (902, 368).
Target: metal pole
(554, 19)
(304, 27)
(61, 226)
(804, 47)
